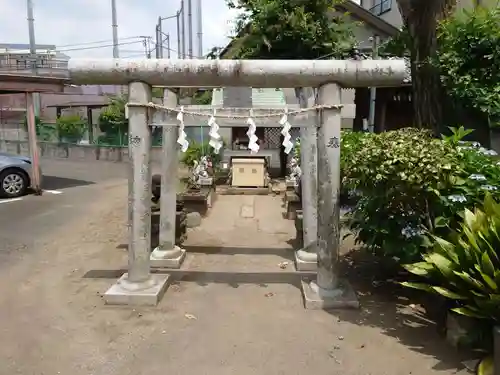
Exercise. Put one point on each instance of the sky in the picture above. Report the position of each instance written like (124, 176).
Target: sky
(70, 23)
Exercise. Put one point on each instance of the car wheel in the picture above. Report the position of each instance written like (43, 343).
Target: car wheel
(13, 183)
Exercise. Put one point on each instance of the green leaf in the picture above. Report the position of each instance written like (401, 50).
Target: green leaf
(487, 265)
(469, 219)
(419, 269)
(443, 264)
(486, 366)
(491, 283)
(448, 293)
(470, 280)
(448, 248)
(467, 312)
(440, 222)
(419, 286)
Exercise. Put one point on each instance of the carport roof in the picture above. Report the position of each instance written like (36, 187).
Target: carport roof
(96, 104)
(19, 83)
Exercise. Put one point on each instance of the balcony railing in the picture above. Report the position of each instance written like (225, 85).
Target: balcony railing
(382, 7)
(42, 67)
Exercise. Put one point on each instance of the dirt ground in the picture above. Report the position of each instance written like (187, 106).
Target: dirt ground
(235, 309)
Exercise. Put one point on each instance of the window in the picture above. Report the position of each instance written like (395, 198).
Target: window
(381, 6)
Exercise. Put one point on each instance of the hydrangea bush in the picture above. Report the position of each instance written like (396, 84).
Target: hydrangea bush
(411, 185)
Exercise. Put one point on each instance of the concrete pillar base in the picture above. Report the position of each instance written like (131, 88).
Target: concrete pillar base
(306, 260)
(172, 258)
(316, 298)
(147, 293)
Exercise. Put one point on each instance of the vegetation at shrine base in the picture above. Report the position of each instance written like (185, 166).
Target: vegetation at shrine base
(431, 205)
(196, 151)
(465, 267)
(411, 186)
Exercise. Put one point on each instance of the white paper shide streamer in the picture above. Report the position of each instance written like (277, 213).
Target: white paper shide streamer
(253, 146)
(287, 138)
(215, 138)
(182, 140)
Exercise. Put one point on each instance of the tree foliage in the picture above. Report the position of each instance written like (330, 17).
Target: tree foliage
(290, 29)
(202, 97)
(410, 184)
(421, 19)
(112, 119)
(468, 57)
(214, 53)
(71, 127)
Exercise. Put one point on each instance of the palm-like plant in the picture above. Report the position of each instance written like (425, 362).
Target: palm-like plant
(467, 267)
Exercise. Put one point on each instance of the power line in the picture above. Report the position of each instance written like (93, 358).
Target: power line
(97, 47)
(99, 42)
(136, 53)
(133, 56)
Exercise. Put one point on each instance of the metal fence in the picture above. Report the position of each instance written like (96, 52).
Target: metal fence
(16, 131)
(39, 66)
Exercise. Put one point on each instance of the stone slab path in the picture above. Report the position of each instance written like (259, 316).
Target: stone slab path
(234, 311)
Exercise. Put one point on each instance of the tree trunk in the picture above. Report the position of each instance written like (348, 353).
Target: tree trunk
(421, 18)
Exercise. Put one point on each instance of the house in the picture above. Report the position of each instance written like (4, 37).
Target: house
(393, 107)
(367, 25)
(388, 10)
(16, 59)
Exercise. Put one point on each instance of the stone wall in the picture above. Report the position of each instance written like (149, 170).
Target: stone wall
(75, 152)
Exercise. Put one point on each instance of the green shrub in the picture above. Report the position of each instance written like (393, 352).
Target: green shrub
(44, 132)
(196, 150)
(466, 268)
(71, 128)
(112, 118)
(412, 185)
(296, 150)
(468, 57)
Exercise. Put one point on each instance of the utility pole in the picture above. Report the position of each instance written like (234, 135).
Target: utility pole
(147, 46)
(178, 16)
(31, 30)
(31, 107)
(373, 90)
(160, 34)
(114, 25)
(199, 21)
(33, 54)
(183, 27)
(167, 39)
(190, 27)
(159, 37)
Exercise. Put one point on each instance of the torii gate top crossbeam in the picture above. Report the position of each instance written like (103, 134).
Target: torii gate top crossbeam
(254, 73)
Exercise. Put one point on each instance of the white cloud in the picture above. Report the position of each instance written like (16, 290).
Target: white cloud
(66, 23)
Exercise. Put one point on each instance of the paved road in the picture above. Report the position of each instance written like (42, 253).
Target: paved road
(71, 186)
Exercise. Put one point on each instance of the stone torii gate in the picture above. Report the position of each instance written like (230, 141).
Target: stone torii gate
(139, 286)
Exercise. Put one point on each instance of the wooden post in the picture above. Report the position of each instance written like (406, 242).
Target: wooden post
(36, 183)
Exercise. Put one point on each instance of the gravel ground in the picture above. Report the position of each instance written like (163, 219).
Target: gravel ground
(235, 308)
